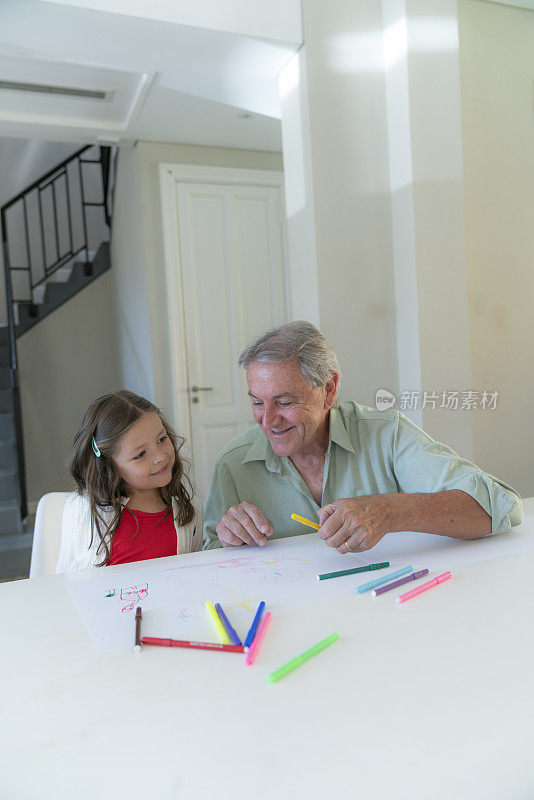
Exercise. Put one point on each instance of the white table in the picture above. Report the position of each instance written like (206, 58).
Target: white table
(433, 698)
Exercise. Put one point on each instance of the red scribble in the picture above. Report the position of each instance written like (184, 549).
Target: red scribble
(133, 594)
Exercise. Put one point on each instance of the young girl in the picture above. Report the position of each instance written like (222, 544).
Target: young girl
(134, 500)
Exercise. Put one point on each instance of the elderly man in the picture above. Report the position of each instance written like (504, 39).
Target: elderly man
(363, 473)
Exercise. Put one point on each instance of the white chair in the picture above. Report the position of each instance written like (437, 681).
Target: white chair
(47, 534)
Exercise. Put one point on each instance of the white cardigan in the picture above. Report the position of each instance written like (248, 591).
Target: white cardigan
(77, 551)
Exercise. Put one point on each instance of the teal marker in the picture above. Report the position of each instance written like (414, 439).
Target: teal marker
(352, 571)
(298, 660)
(379, 581)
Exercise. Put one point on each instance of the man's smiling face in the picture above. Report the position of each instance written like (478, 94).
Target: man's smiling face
(291, 412)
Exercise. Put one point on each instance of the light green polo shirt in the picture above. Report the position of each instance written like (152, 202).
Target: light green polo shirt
(369, 452)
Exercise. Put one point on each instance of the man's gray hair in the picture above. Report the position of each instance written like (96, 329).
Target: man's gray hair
(298, 340)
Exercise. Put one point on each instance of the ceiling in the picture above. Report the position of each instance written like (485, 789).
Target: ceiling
(174, 70)
(163, 81)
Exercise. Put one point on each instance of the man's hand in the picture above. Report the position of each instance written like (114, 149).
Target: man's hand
(243, 524)
(355, 524)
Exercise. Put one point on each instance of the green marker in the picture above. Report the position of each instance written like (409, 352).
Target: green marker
(352, 571)
(296, 662)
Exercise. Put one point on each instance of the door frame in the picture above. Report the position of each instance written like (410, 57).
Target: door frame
(169, 176)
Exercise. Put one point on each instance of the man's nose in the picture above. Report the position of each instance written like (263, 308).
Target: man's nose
(270, 415)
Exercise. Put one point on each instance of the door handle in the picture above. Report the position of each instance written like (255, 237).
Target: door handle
(202, 388)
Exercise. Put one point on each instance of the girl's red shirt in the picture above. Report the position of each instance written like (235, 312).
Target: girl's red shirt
(156, 537)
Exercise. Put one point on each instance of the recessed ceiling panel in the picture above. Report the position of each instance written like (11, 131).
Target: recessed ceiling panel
(50, 93)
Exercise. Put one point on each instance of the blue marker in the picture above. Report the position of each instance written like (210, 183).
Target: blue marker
(379, 581)
(225, 621)
(253, 628)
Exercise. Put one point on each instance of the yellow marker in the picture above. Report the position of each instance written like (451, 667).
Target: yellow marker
(223, 636)
(305, 521)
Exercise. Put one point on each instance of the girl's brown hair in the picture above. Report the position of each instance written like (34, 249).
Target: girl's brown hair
(106, 420)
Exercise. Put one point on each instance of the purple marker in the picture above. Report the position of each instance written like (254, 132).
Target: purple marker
(388, 586)
(226, 624)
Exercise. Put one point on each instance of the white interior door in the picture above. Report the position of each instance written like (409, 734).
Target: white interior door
(234, 288)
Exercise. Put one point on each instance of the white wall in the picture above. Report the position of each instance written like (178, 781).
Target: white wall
(410, 299)
(298, 185)
(338, 184)
(129, 277)
(138, 259)
(421, 62)
(65, 362)
(497, 79)
(379, 235)
(23, 161)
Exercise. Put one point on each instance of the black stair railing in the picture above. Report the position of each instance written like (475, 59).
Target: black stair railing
(61, 238)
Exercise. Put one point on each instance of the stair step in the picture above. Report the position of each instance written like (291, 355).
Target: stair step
(15, 563)
(8, 455)
(16, 541)
(38, 294)
(10, 521)
(6, 401)
(58, 293)
(7, 427)
(9, 485)
(4, 355)
(5, 377)
(62, 275)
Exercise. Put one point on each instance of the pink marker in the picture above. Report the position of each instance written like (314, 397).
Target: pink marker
(255, 646)
(424, 586)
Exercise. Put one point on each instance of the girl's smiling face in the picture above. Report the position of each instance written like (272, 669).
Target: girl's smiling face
(145, 455)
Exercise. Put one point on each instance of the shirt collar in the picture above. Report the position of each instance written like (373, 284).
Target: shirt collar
(261, 450)
(338, 432)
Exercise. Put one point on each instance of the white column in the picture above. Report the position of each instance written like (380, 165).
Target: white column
(421, 62)
(296, 147)
(375, 207)
(402, 203)
(341, 224)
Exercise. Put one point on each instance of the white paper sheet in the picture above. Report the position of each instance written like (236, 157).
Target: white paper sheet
(173, 597)
(283, 574)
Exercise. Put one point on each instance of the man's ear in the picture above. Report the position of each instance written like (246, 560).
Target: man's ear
(331, 389)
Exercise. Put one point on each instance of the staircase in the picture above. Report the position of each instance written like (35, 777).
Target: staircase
(36, 285)
(57, 293)
(15, 545)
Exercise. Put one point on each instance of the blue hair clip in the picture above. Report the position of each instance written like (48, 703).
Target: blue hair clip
(96, 451)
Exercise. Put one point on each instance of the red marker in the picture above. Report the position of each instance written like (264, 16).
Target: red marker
(138, 618)
(228, 648)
